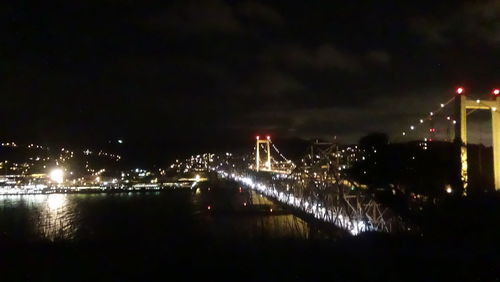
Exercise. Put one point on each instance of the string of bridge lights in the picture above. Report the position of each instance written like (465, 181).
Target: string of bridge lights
(279, 153)
(430, 117)
(433, 114)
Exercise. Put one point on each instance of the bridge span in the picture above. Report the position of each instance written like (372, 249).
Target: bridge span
(316, 186)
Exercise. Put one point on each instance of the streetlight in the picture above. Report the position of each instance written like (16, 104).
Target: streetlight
(57, 175)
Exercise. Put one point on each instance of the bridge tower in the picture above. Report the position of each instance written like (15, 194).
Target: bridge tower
(267, 143)
(462, 105)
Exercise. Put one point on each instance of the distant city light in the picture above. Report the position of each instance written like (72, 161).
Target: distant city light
(120, 141)
(268, 137)
(460, 90)
(257, 137)
(57, 175)
(496, 91)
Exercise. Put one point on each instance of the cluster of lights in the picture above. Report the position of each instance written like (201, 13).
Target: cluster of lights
(116, 157)
(9, 144)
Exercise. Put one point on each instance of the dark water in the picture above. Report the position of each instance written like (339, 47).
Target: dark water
(174, 236)
(220, 211)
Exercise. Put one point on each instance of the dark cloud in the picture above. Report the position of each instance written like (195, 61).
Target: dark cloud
(379, 57)
(323, 57)
(260, 12)
(196, 16)
(268, 84)
(471, 21)
(168, 70)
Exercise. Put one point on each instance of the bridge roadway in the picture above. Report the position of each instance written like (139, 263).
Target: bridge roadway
(348, 207)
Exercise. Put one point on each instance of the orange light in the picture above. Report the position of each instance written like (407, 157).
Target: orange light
(460, 90)
(496, 91)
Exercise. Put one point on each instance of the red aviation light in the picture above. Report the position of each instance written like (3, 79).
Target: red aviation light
(257, 137)
(268, 137)
(460, 90)
(496, 92)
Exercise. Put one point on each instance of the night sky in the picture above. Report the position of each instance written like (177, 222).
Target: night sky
(198, 71)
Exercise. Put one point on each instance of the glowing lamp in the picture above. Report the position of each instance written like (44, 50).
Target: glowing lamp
(268, 137)
(460, 90)
(496, 91)
(257, 137)
(57, 175)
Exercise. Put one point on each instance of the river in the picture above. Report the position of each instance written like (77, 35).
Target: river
(210, 210)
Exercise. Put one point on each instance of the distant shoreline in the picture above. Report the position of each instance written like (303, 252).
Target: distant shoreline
(98, 189)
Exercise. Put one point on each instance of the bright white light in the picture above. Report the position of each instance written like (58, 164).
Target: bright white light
(449, 190)
(412, 127)
(120, 141)
(197, 178)
(57, 175)
(421, 121)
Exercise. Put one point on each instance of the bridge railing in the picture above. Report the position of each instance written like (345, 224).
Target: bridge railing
(350, 209)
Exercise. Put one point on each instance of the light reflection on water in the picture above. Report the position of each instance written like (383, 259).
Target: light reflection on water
(47, 216)
(144, 216)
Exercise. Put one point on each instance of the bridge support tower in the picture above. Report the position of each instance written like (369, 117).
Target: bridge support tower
(258, 164)
(462, 105)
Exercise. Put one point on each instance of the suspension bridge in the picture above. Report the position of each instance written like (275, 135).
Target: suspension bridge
(319, 186)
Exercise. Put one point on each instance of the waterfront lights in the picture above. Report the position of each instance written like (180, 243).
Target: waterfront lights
(57, 175)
